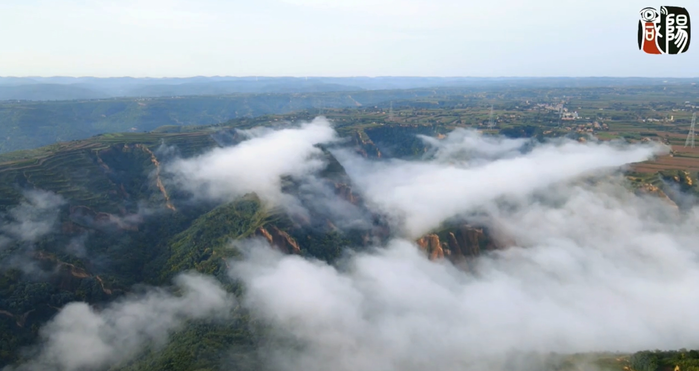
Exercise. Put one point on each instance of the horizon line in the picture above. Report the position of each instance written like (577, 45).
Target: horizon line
(345, 77)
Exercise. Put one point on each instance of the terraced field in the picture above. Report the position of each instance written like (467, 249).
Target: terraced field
(82, 170)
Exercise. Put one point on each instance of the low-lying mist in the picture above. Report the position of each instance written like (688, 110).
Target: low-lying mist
(594, 269)
(465, 175)
(81, 338)
(591, 265)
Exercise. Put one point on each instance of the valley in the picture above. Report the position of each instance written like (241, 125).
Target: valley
(314, 185)
(94, 219)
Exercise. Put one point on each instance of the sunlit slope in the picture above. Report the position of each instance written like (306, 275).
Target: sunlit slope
(121, 222)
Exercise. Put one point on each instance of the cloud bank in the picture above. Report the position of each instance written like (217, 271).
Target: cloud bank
(81, 338)
(423, 194)
(463, 171)
(470, 145)
(257, 164)
(596, 268)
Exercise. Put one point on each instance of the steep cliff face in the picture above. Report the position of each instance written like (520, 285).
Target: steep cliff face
(456, 243)
(365, 146)
(279, 239)
(471, 241)
(432, 246)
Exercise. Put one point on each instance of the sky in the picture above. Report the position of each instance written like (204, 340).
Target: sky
(179, 38)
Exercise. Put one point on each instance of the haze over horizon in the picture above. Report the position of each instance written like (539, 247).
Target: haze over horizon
(155, 38)
(343, 77)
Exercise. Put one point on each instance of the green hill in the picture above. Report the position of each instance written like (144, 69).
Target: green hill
(118, 224)
(27, 125)
(104, 220)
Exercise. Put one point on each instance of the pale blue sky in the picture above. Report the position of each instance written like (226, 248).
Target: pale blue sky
(332, 38)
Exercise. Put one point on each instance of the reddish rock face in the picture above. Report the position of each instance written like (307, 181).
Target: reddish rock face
(279, 239)
(432, 246)
(365, 147)
(464, 242)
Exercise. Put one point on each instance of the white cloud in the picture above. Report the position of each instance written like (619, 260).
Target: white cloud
(424, 194)
(257, 164)
(470, 145)
(34, 217)
(81, 338)
(597, 269)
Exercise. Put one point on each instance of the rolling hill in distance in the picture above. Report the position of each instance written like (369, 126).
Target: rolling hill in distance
(68, 88)
(27, 125)
(31, 124)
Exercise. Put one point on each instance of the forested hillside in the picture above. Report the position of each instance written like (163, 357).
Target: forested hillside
(101, 219)
(27, 125)
(105, 221)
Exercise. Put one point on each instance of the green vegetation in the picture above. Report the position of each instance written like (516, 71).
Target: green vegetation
(118, 216)
(627, 111)
(203, 346)
(134, 232)
(205, 244)
(400, 141)
(681, 360)
(27, 125)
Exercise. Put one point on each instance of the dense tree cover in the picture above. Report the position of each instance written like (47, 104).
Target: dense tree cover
(114, 231)
(107, 234)
(232, 344)
(205, 244)
(523, 131)
(400, 141)
(111, 178)
(686, 360)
